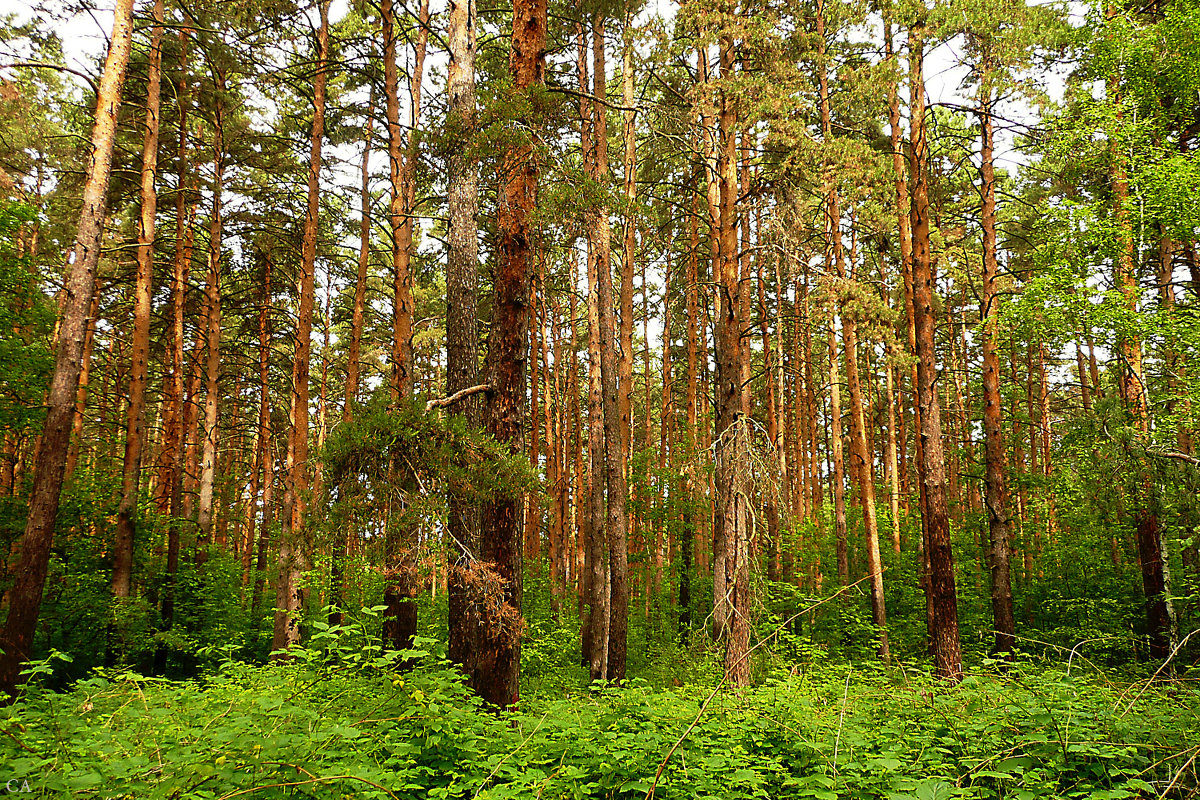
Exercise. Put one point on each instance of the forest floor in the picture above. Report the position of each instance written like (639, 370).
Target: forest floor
(349, 726)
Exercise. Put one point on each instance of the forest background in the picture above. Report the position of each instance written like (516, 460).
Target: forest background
(514, 353)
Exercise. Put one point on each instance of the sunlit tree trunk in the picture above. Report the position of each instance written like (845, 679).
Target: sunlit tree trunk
(462, 288)
(135, 421)
(29, 577)
(731, 433)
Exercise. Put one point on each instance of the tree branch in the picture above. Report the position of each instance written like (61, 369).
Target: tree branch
(461, 394)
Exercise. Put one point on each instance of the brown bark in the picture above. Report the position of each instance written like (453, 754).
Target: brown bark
(496, 673)
(862, 461)
(533, 509)
(932, 465)
(1133, 396)
(629, 243)
(293, 555)
(25, 596)
(995, 491)
(212, 331)
(135, 421)
(400, 618)
(598, 587)
(174, 431)
(616, 439)
(835, 269)
(731, 479)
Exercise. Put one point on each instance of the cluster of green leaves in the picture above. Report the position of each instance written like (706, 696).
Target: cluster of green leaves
(26, 319)
(338, 720)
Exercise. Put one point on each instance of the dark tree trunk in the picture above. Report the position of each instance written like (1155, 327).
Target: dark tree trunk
(496, 668)
(942, 592)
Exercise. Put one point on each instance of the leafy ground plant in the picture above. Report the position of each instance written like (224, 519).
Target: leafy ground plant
(343, 723)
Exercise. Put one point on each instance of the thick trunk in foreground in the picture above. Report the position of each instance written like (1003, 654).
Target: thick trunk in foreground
(135, 421)
(293, 557)
(462, 288)
(25, 596)
(732, 480)
(495, 674)
(943, 595)
(595, 647)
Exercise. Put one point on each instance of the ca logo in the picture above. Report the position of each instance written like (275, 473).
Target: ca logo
(17, 786)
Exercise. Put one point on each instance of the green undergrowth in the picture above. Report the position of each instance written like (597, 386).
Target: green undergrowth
(344, 723)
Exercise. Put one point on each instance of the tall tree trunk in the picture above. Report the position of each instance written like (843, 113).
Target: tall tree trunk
(893, 442)
(932, 466)
(135, 421)
(732, 484)
(629, 242)
(598, 587)
(293, 556)
(616, 434)
(862, 459)
(496, 676)
(174, 431)
(212, 331)
(462, 299)
(995, 492)
(833, 267)
(25, 596)
(400, 591)
(1133, 396)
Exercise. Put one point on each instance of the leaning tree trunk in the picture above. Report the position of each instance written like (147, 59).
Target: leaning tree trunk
(25, 596)
(135, 421)
(497, 664)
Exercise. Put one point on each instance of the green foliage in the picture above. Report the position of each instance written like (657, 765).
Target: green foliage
(26, 319)
(392, 457)
(340, 722)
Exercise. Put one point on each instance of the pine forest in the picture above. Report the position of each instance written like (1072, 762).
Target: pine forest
(600, 399)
